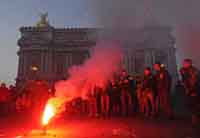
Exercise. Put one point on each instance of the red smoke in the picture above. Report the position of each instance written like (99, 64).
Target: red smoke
(105, 60)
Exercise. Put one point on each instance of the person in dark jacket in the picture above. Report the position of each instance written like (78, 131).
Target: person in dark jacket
(133, 94)
(105, 101)
(98, 91)
(163, 87)
(125, 93)
(116, 97)
(190, 79)
(148, 90)
(4, 99)
(179, 99)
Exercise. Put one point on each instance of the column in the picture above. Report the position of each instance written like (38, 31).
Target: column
(148, 58)
(67, 64)
(125, 60)
(70, 59)
(153, 54)
(128, 62)
(46, 63)
(133, 62)
(19, 64)
(24, 64)
(50, 61)
(169, 61)
(67, 60)
(42, 69)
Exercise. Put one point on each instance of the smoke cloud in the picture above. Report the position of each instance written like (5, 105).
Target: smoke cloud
(105, 61)
(96, 71)
(125, 15)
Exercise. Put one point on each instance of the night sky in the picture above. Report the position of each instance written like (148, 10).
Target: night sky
(183, 15)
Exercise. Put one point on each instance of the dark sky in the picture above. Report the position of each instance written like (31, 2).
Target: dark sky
(183, 15)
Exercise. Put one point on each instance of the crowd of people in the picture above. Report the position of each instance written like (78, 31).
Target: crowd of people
(126, 95)
(33, 95)
(149, 95)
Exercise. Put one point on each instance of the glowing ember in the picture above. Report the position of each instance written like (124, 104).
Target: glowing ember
(49, 112)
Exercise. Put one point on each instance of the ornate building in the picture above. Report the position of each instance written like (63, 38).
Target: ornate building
(46, 52)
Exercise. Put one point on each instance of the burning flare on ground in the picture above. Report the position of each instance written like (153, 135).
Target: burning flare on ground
(53, 107)
(49, 112)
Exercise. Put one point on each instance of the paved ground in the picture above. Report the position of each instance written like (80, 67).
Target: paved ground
(19, 127)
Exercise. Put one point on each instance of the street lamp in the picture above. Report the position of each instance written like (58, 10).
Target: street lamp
(34, 69)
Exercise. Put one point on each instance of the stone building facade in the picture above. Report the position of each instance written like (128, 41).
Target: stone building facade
(45, 52)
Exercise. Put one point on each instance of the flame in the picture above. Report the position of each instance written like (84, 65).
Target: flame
(53, 107)
(49, 112)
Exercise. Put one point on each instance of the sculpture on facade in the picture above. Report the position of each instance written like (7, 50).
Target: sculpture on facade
(43, 22)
